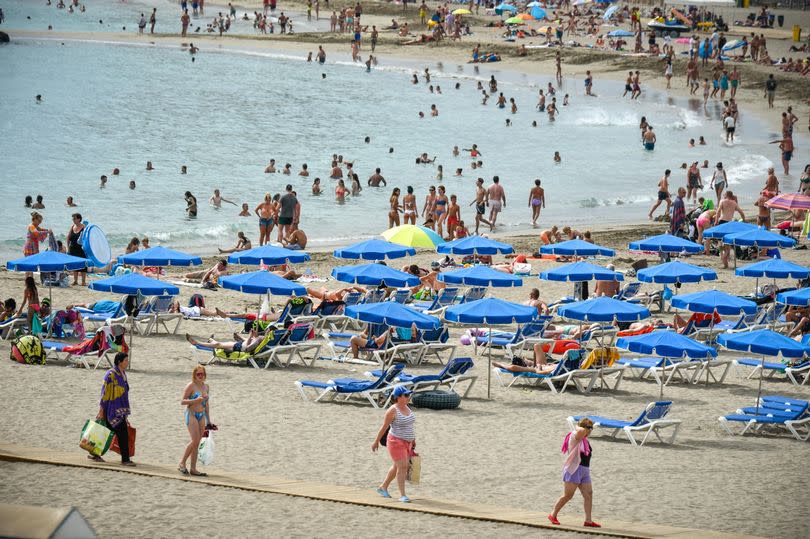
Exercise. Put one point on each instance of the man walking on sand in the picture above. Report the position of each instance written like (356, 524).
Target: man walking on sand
(497, 201)
(481, 202)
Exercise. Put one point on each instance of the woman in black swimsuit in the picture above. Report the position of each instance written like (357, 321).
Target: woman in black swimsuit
(75, 248)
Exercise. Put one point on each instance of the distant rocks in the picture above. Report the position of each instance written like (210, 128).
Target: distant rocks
(4, 37)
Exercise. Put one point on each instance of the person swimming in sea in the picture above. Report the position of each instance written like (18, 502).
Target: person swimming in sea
(217, 199)
(191, 204)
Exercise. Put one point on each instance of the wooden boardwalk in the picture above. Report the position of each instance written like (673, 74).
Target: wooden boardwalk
(363, 497)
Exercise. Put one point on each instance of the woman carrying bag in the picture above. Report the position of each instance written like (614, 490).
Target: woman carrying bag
(400, 441)
(577, 471)
(114, 406)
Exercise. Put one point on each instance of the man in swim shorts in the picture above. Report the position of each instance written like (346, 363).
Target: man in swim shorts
(649, 139)
(481, 200)
(286, 214)
(296, 241)
(663, 193)
(497, 200)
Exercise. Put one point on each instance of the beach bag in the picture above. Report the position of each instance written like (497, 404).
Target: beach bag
(96, 437)
(205, 451)
(414, 469)
(115, 448)
(196, 300)
(28, 350)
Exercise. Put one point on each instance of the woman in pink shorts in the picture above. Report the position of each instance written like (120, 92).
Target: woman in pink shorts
(400, 441)
(577, 471)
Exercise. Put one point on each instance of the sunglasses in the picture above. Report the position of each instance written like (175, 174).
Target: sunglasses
(200, 375)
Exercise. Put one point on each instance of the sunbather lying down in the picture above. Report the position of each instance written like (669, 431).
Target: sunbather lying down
(325, 294)
(195, 312)
(568, 331)
(538, 365)
(236, 345)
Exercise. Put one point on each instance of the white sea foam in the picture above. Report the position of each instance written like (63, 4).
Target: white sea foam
(600, 118)
(747, 168)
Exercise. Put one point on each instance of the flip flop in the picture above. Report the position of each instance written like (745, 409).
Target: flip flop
(553, 520)
(382, 492)
(95, 458)
(405, 499)
(182, 470)
(591, 524)
(198, 474)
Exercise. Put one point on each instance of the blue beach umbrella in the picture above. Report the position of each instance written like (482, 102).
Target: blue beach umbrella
(759, 238)
(500, 8)
(620, 33)
(774, 268)
(713, 301)
(480, 276)
(609, 12)
(581, 271)
(538, 13)
(133, 284)
(576, 248)
(675, 272)
(800, 297)
(764, 342)
(732, 227)
(474, 245)
(374, 275)
(603, 309)
(374, 250)
(667, 344)
(392, 313)
(262, 282)
(159, 256)
(267, 254)
(666, 243)
(489, 311)
(48, 261)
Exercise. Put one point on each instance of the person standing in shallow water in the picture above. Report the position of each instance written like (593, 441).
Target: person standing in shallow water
(577, 472)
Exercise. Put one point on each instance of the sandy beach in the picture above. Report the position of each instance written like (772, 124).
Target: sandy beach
(504, 451)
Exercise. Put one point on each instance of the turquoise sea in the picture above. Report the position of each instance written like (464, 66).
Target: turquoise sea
(226, 115)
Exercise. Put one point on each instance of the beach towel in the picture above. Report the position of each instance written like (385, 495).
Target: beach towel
(28, 350)
(241, 356)
(572, 460)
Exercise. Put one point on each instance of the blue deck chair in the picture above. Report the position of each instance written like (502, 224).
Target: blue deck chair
(651, 420)
(629, 291)
(275, 338)
(774, 412)
(662, 370)
(156, 315)
(328, 315)
(473, 293)
(436, 342)
(401, 295)
(10, 326)
(445, 298)
(797, 373)
(558, 380)
(375, 295)
(451, 375)
(96, 317)
(377, 392)
(509, 341)
(293, 344)
(56, 350)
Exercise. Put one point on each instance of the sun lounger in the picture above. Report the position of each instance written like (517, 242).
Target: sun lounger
(629, 291)
(513, 343)
(295, 342)
(156, 315)
(56, 350)
(600, 337)
(651, 420)
(774, 413)
(473, 293)
(557, 381)
(662, 370)
(10, 327)
(436, 341)
(451, 375)
(797, 373)
(93, 319)
(401, 295)
(609, 373)
(377, 392)
(445, 298)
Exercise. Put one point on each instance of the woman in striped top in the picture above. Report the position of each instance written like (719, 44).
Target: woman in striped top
(400, 441)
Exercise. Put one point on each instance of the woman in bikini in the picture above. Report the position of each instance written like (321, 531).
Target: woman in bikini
(427, 209)
(30, 297)
(409, 207)
(440, 210)
(198, 418)
(341, 192)
(393, 213)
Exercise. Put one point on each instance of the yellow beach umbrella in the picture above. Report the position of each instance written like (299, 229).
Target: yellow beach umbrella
(413, 236)
(514, 20)
(462, 11)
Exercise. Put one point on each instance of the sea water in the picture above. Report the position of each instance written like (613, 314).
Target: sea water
(117, 15)
(227, 114)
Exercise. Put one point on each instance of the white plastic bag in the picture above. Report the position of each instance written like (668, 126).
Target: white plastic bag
(264, 310)
(205, 451)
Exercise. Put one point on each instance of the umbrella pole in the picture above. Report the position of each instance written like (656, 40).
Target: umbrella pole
(711, 328)
(489, 363)
(759, 390)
